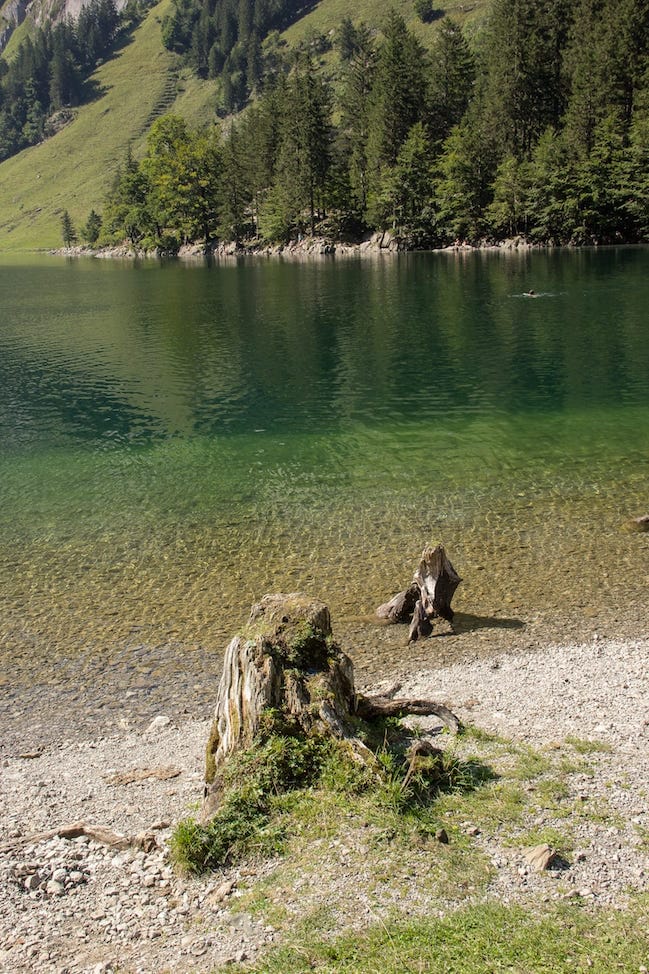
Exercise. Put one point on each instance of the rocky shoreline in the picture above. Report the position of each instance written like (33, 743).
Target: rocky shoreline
(75, 905)
(307, 247)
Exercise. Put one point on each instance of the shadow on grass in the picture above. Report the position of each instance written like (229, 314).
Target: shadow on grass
(93, 91)
(448, 775)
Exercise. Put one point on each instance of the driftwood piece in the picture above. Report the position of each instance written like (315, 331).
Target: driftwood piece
(428, 597)
(98, 833)
(369, 708)
(401, 607)
(141, 774)
(286, 668)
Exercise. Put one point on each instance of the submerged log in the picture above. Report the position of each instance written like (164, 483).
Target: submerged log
(286, 672)
(428, 597)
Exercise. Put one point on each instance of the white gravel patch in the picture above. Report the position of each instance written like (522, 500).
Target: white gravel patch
(73, 906)
(598, 690)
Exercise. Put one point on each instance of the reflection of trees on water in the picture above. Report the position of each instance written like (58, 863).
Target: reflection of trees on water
(325, 345)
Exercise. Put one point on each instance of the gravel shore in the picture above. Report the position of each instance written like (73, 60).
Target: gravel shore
(77, 905)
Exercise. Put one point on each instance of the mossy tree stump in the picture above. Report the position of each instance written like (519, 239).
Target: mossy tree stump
(286, 675)
(428, 596)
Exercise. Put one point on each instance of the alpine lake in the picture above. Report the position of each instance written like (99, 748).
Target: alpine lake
(178, 439)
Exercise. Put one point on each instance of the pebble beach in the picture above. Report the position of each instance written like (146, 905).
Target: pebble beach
(73, 905)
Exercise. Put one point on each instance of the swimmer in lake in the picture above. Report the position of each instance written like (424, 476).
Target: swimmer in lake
(530, 294)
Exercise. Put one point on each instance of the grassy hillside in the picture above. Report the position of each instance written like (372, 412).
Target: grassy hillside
(329, 13)
(74, 169)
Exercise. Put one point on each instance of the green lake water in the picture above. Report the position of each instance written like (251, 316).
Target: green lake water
(177, 440)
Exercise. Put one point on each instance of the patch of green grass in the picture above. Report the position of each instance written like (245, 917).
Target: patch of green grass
(550, 791)
(328, 14)
(499, 804)
(19, 34)
(530, 763)
(246, 824)
(473, 733)
(373, 846)
(286, 784)
(196, 100)
(583, 745)
(561, 841)
(482, 939)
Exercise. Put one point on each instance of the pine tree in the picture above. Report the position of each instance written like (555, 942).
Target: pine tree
(67, 230)
(235, 195)
(466, 170)
(398, 92)
(353, 131)
(607, 62)
(304, 156)
(451, 80)
(397, 100)
(65, 83)
(524, 90)
(412, 185)
(508, 212)
(127, 212)
(90, 232)
(553, 202)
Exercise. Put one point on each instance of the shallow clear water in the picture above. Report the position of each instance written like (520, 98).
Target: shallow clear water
(176, 440)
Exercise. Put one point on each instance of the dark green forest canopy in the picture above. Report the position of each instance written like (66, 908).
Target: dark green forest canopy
(539, 127)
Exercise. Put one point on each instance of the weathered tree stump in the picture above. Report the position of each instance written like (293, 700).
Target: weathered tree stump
(428, 597)
(286, 669)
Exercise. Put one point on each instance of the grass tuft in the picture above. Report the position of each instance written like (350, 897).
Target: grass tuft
(272, 788)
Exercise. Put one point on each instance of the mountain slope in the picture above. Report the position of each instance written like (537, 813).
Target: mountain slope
(329, 13)
(74, 169)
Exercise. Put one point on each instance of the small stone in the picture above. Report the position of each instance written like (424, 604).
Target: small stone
(442, 836)
(158, 723)
(540, 857)
(221, 892)
(54, 888)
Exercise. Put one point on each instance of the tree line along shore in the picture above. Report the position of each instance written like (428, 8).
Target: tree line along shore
(538, 128)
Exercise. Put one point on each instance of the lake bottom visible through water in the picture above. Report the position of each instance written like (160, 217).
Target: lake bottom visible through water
(156, 483)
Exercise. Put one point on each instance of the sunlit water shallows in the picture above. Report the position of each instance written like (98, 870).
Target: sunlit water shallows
(178, 440)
